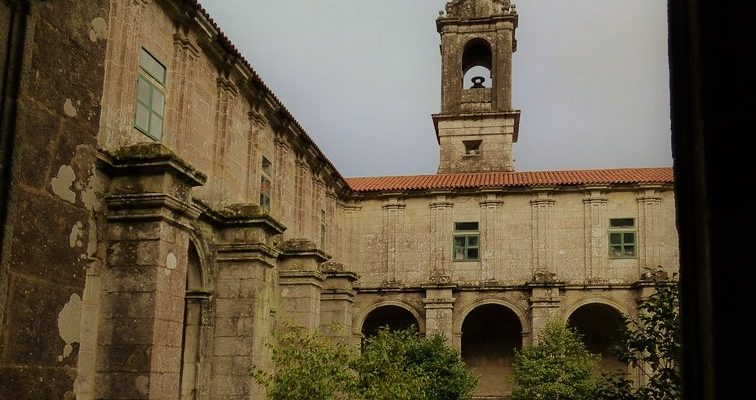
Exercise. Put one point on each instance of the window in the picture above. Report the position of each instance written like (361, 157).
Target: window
(466, 241)
(472, 147)
(322, 228)
(266, 184)
(622, 238)
(150, 96)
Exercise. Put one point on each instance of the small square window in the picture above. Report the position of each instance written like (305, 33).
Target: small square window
(622, 238)
(472, 147)
(466, 241)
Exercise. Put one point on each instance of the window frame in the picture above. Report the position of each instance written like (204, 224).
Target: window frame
(467, 234)
(623, 244)
(154, 84)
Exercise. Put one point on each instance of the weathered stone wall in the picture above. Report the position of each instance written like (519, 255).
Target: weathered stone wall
(49, 241)
(217, 117)
(408, 239)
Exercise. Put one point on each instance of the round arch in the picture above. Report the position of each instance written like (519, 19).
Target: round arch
(203, 258)
(598, 323)
(491, 333)
(619, 307)
(397, 305)
(462, 315)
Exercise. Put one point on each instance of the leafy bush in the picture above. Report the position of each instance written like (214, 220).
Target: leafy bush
(558, 367)
(394, 365)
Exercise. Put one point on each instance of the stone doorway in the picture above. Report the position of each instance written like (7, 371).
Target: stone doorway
(490, 335)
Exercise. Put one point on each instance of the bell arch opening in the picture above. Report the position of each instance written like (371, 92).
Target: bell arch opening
(477, 61)
(490, 335)
(394, 317)
(599, 325)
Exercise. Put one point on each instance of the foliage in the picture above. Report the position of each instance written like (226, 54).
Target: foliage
(308, 366)
(652, 344)
(399, 365)
(395, 365)
(558, 367)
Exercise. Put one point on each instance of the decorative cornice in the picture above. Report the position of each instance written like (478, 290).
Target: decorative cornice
(148, 159)
(240, 215)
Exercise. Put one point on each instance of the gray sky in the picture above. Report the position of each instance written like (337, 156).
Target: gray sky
(363, 78)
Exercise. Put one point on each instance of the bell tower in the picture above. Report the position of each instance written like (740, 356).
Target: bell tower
(477, 125)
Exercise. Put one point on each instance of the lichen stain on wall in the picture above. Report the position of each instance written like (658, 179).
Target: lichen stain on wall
(99, 29)
(61, 184)
(69, 324)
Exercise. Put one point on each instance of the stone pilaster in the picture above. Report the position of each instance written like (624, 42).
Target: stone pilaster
(545, 302)
(542, 209)
(491, 236)
(245, 297)
(595, 228)
(441, 238)
(301, 168)
(393, 229)
(282, 152)
(439, 305)
(301, 283)
(182, 71)
(649, 220)
(252, 170)
(148, 221)
(226, 101)
(337, 301)
(351, 231)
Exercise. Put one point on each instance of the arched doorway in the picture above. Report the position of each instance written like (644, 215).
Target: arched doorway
(191, 340)
(599, 324)
(490, 335)
(395, 317)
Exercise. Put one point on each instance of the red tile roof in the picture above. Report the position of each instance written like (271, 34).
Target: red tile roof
(511, 179)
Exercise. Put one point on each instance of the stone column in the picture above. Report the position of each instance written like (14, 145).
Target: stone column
(393, 216)
(542, 208)
(595, 228)
(649, 218)
(491, 236)
(337, 301)
(282, 151)
(301, 283)
(439, 304)
(441, 239)
(148, 216)
(245, 297)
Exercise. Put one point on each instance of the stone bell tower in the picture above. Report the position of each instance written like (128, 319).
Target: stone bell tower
(477, 125)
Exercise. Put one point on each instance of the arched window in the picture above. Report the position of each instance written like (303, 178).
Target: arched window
(477, 61)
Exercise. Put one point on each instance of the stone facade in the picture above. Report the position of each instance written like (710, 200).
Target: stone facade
(155, 264)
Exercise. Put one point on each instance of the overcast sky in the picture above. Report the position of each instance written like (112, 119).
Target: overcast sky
(363, 78)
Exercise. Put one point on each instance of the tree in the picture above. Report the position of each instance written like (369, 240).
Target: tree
(652, 344)
(307, 366)
(558, 367)
(393, 365)
(397, 365)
